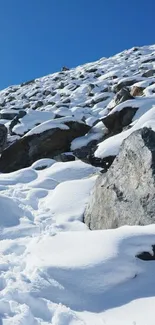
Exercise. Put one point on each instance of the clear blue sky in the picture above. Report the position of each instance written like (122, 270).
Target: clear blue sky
(38, 37)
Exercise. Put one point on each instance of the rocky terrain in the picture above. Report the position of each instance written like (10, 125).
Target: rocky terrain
(78, 154)
(105, 98)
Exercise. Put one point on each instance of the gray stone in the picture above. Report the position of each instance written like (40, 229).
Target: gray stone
(125, 195)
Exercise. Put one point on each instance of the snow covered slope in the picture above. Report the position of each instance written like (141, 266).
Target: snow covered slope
(53, 269)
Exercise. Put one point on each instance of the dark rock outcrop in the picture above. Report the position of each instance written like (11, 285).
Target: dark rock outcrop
(126, 193)
(115, 122)
(8, 116)
(48, 144)
(3, 136)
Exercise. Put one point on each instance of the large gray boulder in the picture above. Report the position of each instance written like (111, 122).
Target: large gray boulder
(125, 195)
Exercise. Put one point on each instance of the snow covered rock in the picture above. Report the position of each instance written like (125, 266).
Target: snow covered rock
(126, 193)
(115, 122)
(46, 140)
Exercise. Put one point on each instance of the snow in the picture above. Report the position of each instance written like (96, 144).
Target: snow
(53, 269)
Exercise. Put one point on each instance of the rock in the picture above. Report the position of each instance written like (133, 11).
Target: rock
(124, 84)
(64, 157)
(61, 85)
(125, 195)
(46, 92)
(93, 69)
(135, 49)
(21, 114)
(99, 99)
(29, 82)
(2, 104)
(91, 87)
(137, 91)
(65, 69)
(115, 122)
(92, 102)
(97, 75)
(8, 115)
(104, 163)
(3, 136)
(56, 79)
(12, 115)
(10, 99)
(149, 60)
(38, 104)
(149, 73)
(120, 97)
(47, 144)
(16, 121)
(66, 101)
(85, 153)
(146, 256)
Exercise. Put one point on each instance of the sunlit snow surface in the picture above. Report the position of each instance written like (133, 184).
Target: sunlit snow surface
(53, 270)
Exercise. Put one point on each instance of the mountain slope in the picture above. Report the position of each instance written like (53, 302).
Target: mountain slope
(53, 269)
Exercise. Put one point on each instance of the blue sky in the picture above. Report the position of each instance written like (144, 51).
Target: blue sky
(38, 37)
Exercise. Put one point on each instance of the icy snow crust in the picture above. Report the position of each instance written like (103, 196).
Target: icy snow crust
(53, 270)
